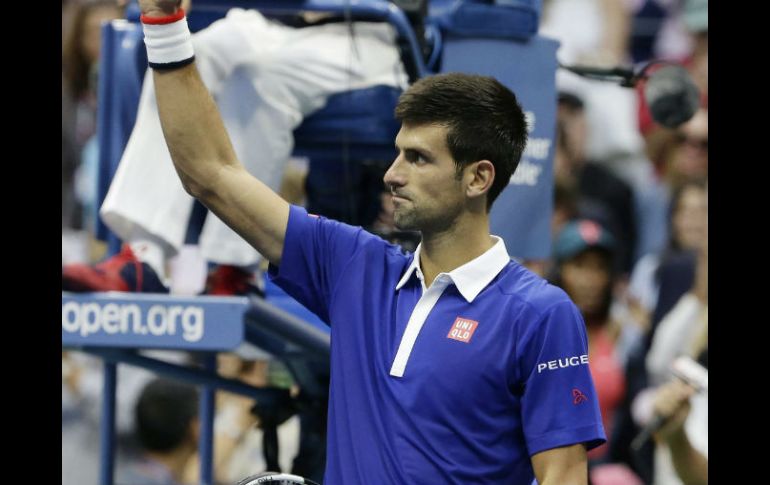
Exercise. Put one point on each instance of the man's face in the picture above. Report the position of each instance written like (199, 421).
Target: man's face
(92, 30)
(691, 218)
(691, 158)
(574, 126)
(427, 194)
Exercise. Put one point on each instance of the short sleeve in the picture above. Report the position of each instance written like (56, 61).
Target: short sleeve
(316, 252)
(559, 403)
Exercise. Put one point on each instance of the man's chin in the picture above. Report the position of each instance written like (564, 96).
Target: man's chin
(403, 224)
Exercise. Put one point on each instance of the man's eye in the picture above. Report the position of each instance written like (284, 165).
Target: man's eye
(413, 157)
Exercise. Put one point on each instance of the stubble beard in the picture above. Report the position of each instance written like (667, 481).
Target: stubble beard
(406, 219)
(423, 220)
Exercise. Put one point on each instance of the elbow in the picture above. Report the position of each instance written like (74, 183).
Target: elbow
(199, 178)
(192, 187)
(197, 189)
(201, 191)
(197, 183)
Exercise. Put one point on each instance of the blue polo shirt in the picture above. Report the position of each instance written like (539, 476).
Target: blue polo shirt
(457, 383)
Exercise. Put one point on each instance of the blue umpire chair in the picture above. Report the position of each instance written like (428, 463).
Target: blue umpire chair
(355, 129)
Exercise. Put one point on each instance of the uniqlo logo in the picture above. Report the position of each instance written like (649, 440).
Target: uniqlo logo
(462, 329)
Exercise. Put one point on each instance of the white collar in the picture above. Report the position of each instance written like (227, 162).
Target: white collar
(473, 276)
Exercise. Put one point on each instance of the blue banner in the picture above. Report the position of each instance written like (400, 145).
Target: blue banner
(521, 215)
(152, 321)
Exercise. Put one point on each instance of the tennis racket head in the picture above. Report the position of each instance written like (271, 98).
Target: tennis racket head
(275, 478)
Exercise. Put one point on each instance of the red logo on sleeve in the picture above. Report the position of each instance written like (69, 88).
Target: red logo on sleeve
(578, 396)
(462, 329)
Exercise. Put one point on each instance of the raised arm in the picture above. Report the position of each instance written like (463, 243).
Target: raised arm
(204, 157)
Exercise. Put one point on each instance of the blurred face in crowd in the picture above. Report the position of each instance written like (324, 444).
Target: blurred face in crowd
(691, 156)
(586, 279)
(571, 140)
(565, 194)
(90, 40)
(426, 192)
(691, 218)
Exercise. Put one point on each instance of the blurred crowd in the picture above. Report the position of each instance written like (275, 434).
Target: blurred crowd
(630, 247)
(630, 229)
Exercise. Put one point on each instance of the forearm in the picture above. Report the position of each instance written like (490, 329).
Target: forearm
(208, 166)
(690, 465)
(564, 481)
(233, 422)
(197, 140)
(224, 447)
(561, 466)
(192, 126)
(578, 478)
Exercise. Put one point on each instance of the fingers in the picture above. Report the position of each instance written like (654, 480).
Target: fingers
(165, 7)
(672, 401)
(672, 395)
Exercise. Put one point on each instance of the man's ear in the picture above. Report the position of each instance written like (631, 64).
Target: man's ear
(480, 176)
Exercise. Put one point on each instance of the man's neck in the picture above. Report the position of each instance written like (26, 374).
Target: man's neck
(174, 461)
(444, 251)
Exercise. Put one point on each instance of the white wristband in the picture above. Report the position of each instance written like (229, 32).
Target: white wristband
(169, 45)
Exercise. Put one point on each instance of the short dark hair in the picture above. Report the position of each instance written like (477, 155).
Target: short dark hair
(164, 413)
(484, 118)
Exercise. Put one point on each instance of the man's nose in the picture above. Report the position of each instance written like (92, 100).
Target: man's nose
(394, 177)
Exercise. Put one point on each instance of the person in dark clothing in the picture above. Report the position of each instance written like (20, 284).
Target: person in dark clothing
(602, 196)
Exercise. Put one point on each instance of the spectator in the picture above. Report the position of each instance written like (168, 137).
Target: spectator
(682, 443)
(81, 31)
(80, 59)
(681, 328)
(688, 230)
(689, 156)
(677, 324)
(240, 440)
(167, 430)
(82, 379)
(601, 195)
